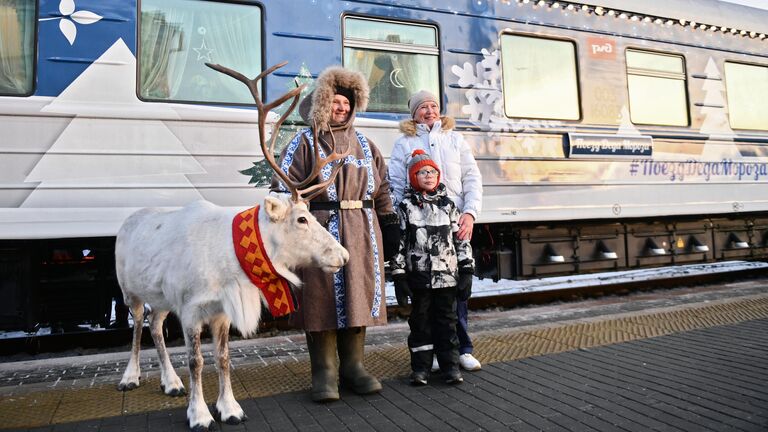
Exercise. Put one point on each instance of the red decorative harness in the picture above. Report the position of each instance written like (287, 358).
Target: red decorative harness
(256, 264)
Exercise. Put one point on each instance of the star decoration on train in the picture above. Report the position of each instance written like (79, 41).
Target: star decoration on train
(203, 53)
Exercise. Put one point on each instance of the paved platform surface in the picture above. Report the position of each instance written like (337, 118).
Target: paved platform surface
(691, 359)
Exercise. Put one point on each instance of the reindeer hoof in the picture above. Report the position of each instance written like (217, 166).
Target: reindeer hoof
(177, 392)
(231, 420)
(127, 386)
(200, 428)
(174, 392)
(234, 420)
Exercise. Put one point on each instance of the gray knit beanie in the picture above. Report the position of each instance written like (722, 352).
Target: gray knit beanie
(419, 98)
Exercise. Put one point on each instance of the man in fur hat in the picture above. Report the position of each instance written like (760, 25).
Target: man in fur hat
(336, 309)
(429, 131)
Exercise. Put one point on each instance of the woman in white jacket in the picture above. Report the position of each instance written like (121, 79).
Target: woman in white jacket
(434, 134)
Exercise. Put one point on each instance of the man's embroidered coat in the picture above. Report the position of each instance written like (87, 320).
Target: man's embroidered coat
(355, 295)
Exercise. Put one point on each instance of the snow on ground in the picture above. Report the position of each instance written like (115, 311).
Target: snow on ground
(487, 287)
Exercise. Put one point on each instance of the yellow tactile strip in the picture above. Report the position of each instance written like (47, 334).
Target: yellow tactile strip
(65, 405)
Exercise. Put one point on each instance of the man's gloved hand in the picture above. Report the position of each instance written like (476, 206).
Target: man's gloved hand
(391, 237)
(464, 288)
(402, 290)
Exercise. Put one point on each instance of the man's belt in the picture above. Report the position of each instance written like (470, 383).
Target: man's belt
(340, 205)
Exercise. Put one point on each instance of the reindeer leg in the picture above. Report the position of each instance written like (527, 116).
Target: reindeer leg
(132, 372)
(229, 410)
(199, 417)
(170, 383)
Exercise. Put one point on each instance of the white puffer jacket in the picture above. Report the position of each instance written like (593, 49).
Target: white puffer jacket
(458, 168)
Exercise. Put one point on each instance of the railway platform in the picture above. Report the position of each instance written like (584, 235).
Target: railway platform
(684, 359)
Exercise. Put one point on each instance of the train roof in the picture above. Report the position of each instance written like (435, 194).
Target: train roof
(710, 12)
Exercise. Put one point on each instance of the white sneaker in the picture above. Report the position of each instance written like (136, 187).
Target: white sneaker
(435, 364)
(468, 362)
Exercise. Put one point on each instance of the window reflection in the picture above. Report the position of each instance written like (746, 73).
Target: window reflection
(393, 77)
(17, 38)
(659, 101)
(747, 89)
(539, 78)
(654, 62)
(355, 28)
(656, 84)
(179, 36)
(397, 59)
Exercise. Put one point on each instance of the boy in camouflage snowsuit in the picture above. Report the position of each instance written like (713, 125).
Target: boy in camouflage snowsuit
(432, 267)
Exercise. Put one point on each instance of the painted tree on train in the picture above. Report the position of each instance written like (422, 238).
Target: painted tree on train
(112, 145)
(261, 173)
(720, 143)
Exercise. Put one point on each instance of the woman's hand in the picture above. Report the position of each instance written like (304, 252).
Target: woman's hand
(466, 223)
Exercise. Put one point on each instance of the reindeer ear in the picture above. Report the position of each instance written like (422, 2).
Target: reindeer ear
(276, 208)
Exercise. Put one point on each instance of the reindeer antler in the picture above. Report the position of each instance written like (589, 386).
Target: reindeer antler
(301, 190)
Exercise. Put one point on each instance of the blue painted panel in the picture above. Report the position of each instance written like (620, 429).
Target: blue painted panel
(60, 62)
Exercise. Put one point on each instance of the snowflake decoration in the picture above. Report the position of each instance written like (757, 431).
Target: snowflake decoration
(69, 17)
(486, 101)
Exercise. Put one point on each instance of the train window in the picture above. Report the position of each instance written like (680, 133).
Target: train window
(397, 58)
(17, 47)
(177, 38)
(656, 88)
(539, 77)
(747, 89)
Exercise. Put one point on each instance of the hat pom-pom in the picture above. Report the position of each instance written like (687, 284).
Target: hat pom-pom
(418, 152)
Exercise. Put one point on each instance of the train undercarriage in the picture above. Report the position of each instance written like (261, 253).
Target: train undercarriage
(538, 250)
(67, 283)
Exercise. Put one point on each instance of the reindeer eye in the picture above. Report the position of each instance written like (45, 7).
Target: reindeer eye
(302, 220)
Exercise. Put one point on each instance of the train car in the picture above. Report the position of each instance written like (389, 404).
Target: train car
(611, 134)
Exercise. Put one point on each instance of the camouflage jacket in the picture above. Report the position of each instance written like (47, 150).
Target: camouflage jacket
(428, 242)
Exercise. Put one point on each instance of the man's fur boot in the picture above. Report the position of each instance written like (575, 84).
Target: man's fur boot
(352, 373)
(322, 356)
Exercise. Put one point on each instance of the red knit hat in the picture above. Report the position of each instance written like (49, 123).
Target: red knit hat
(420, 159)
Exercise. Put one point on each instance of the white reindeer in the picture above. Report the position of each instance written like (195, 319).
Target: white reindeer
(184, 261)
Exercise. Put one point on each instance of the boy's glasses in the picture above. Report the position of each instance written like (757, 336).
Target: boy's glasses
(424, 173)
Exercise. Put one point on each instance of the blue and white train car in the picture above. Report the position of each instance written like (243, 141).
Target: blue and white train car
(611, 134)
